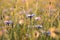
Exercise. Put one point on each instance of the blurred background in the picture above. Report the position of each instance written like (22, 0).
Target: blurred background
(29, 19)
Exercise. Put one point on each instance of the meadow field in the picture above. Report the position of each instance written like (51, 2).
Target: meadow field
(29, 19)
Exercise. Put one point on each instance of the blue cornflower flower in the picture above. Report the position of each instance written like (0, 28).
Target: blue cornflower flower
(48, 33)
(8, 22)
(30, 15)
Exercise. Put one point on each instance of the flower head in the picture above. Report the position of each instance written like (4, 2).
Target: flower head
(30, 15)
(21, 21)
(48, 33)
(8, 22)
(52, 29)
(38, 26)
(37, 18)
(53, 35)
(36, 34)
(52, 32)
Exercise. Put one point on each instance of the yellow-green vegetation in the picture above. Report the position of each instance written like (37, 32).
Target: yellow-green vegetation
(29, 19)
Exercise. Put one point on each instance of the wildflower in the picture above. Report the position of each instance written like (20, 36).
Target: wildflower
(37, 18)
(52, 32)
(53, 35)
(38, 26)
(48, 33)
(30, 15)
(36, 34)
(21, 21)
(8, 22)
(52, 29)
